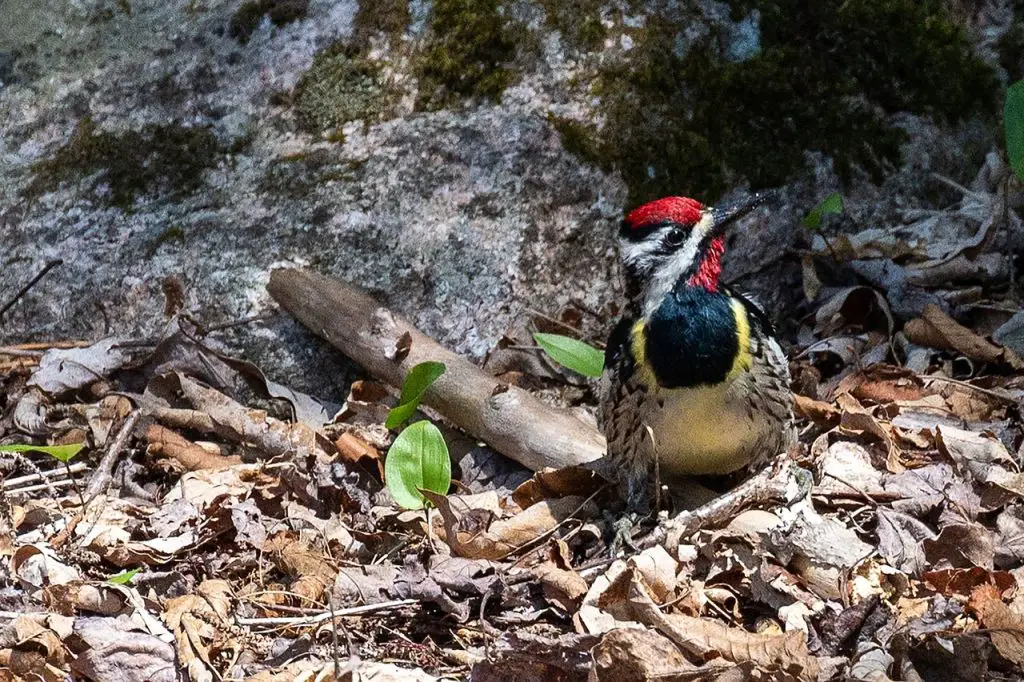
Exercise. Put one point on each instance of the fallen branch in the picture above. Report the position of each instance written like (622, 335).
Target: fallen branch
(507, 418)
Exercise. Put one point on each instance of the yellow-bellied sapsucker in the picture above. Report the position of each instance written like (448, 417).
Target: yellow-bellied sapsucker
(694, 381)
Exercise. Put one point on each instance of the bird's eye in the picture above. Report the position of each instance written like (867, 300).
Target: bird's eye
(675, 237)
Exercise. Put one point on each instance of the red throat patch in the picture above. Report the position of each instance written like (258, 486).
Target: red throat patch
(681, 210)
(711, 267)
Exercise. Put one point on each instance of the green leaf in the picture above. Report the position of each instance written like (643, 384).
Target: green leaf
(1013, 123)
(417, 381)
(418, 459)
(124, 577)
(833, 203)
(63, 453)
(576, 355)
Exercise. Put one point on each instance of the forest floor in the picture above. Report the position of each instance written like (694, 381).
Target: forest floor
(173, 514)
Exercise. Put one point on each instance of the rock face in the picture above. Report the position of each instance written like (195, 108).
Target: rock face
(161, 147)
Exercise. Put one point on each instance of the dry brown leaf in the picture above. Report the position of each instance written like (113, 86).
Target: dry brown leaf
(1005, 627)
(31, 647)
(963, 581)
(707, 639)
(201, 625)
(507, 535)
(658, 570)
(858, 420)
(163, 441)
(351, 671)
(985, 458)
(962, 545)
(311, 570)
(552, 483)
(937, 329)
(114, 650)
(628, 654)
(355, 450)
(562, 587)
(818, 411)
(884, 384)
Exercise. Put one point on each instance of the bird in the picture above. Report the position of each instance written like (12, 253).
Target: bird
(695, 382)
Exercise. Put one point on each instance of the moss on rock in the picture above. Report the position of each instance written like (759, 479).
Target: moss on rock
(579, 22)
(159, 158)
(826, 78)
(380, 17)
(340, 86)
(468, 54)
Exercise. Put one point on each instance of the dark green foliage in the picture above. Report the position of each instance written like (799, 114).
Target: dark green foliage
(467, 54)
(387, 17)
(248, 17)
(159, 158)
(340, 86)
(828, 75)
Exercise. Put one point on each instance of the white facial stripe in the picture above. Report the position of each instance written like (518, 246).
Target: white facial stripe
(665, 278)
(656, 271)
(704, 225)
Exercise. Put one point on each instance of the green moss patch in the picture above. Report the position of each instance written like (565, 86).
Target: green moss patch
(159, 158)
(469, 53)
(579, 22)
(380, 17)
(340, 86)
(827, 77)
(249, 16)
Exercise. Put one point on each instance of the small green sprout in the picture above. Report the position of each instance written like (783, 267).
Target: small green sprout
(417, 381)
(417, 460)
(124, 577)
(833, 204)
(1013, 124)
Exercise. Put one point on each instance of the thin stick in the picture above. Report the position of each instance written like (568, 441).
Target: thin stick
(327, 615)
(44, 346)
(553, 320)
(49, 485)
(239, 322)
(105, 469)
(24, 290)
(979, 389)
(31, 478)
(74, 484)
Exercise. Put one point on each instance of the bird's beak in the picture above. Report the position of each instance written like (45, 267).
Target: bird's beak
(723, 216)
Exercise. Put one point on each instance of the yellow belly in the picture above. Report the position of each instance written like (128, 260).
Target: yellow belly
(702, 431)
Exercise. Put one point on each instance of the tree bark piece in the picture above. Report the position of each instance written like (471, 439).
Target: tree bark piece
(507, 418)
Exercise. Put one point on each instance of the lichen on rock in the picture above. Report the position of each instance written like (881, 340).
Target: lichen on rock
(342, 85)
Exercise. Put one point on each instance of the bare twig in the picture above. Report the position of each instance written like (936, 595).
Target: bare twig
(42, 475)
(49, 485)
(24, 290)
(105, 469)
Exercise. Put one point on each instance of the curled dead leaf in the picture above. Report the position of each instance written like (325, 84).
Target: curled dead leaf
(937, 329)
(1006, 627)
